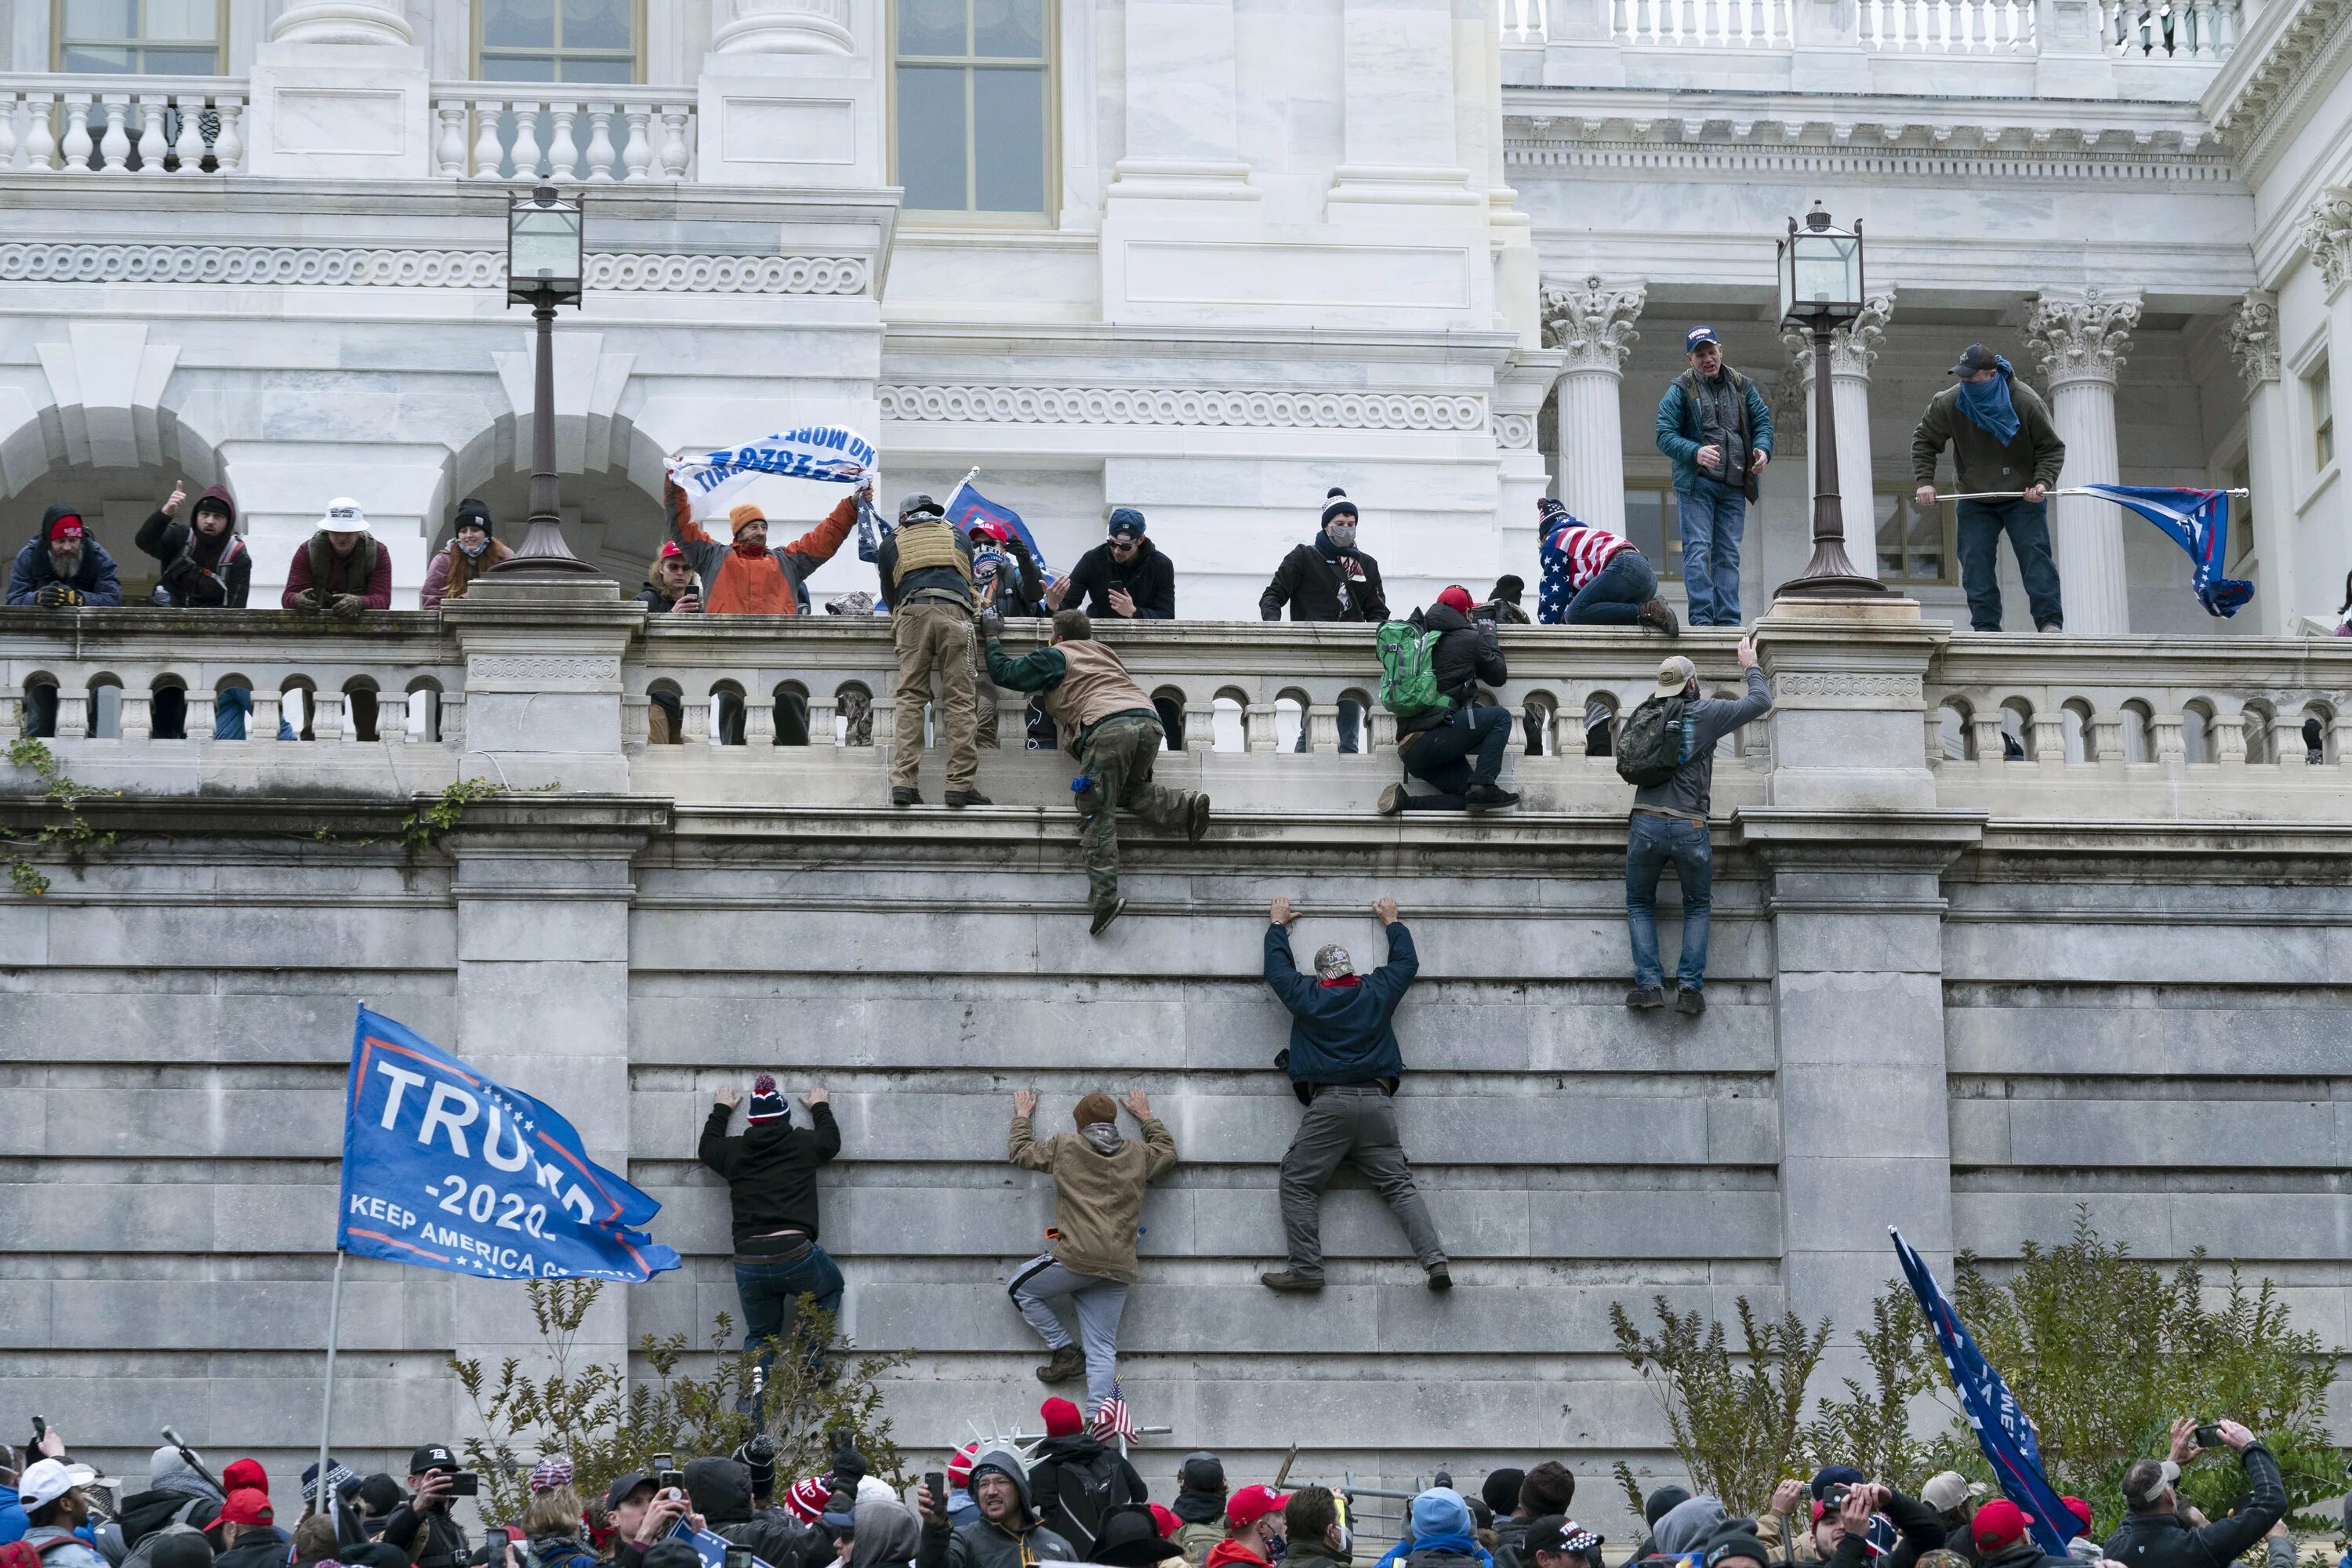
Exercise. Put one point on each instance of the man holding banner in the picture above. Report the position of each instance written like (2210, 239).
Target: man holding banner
(742, 575)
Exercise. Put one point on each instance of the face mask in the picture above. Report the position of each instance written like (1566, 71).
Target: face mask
(1342, 534)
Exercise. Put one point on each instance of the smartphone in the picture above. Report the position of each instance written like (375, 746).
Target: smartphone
(464, 1483)
(936, 1483)
(2208, 1437)
(740, 1557)
(495, 1541)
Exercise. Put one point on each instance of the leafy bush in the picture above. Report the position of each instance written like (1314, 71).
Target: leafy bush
(1737, 1429)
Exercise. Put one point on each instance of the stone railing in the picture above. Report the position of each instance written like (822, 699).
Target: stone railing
(1949, 26)
(1702, 24)
(122, 125)
(2169, 29)
(510, 130)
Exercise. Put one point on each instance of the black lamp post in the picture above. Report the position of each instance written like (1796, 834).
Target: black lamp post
(546, 264)
(1821, 285)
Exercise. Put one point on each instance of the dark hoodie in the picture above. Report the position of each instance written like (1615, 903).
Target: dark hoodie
(1466, 654)
(200, 571)
(1309, 581)
(32, 572)
(1149, 579)
(1093, 1462)
(771, 1170)
(720, 1490)
(262, 1546)
(981, 1544)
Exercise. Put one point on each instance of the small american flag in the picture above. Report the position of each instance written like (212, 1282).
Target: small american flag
(1112, 1419)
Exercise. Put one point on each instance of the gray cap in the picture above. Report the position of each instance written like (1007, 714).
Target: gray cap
(919, 505)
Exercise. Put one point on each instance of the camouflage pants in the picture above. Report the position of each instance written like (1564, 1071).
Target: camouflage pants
(1118, 758)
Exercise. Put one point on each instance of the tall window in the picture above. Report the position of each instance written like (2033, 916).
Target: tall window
(556, 40)
(2242, 509)
(1655, 526)
(2323, 415)
(974, 107)
(1912, 545)
(140, 37)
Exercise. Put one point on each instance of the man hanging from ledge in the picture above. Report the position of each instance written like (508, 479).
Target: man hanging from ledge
(1107, 722)
(745, 577)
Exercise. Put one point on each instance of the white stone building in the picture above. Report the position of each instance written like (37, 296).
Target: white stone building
(1199, 258)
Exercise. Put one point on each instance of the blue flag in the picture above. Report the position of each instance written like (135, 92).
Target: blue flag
(2198, 521)
(446, 1169)
(2003, 1431)
(968, 505)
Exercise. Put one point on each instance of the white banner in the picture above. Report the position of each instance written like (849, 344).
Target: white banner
(830, 452)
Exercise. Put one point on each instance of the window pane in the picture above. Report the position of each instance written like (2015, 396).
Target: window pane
(102, 19)
(518, 68)
(597, 25)
(1008, 134)
(930, 137)
(1644, 522)
(607, 70)
(1009, 28)
(1927, 542)
(1889, 535)
(183, 21)
(109, 62)
(932, 27)
(203, 61)
(524, 24)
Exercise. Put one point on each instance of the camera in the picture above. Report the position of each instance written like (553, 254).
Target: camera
(2209, 1436)
(666, 1475)
(463, 1483)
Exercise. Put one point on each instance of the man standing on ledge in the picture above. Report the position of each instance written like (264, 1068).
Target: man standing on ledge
(1714, 425)
(2001, 440)
(1344, 1063)
(925, 566)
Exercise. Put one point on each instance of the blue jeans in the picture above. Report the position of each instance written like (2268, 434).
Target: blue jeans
(1436, 756)
(1615, 596)
(1651, 843)
(2027, 523)
(1352, 716)
(230, 709)
(1714, 517)
(772, 1295)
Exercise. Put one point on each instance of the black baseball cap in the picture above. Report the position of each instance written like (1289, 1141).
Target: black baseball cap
(1557, 1532)
(1974, 358)
(432, 1457)
(618, 1492)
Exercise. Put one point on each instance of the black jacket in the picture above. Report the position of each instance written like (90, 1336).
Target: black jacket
(263, 1546)
(655, 600)
(444, 1545)
(94, 579)
(1467, 654)
(1150, 579)
(1309, 581)
(2165, 1540)
(1079, 1452)
(771, 1170)
(2024, 1553)
(199, 573)
(1919, 1526)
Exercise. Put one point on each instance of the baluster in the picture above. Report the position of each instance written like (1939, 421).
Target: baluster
(78, 143)
(138, 720)
(637, 722)
(1379, 730)
(115, 146)
(261, 724)
(637, 151)
(526, 142)
(40, 136)
(600, 143)
(489, 153)
(2049, 740)
(563, 152)
(1257, 727)
(674, 152)
(392, 717)
(822, 711)
(696, 731)
(189, 149)
(1322, 721)
(449, 151)
(7, 131)
(759, 723)
(228, 142)
(2106, 738)
(11, 723)
(73, 714)
(152, 145)
(327, 717)
(1986, 728)
(453, 719)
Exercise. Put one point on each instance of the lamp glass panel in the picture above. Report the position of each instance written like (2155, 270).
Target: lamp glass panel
(547, 243)
(1828, 271)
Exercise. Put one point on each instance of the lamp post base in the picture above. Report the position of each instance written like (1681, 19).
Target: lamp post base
(542, 556)
(1829, 575)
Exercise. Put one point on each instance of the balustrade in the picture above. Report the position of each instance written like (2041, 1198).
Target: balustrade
(122, 125)
(2169, 29)
(504, 131)
(1949, 26)
(1702, 24)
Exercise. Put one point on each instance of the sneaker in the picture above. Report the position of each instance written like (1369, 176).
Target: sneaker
(2053, 629)
(1105, 915)
(1659, 617)
(1291, 1282)
(1690, 1000)
(1646, 996)
(1068, 1365)
(901, 795)
(1196, 819)
(1488, 798)
(960, 798)
(1391, 800)
(1439, 1279)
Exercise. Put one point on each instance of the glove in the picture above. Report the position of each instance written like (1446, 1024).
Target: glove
(992, 625)
(308, 599)
(346, 607)
(849, 1464)
(55, 595)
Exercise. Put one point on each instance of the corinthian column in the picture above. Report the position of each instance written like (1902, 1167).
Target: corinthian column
(2269, 512)
(2080, 340)
(1852, 347)
(1593, 324)
(341, 22)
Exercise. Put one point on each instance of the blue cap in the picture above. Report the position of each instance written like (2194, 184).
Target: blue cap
(1698, 335)
(1125, 519)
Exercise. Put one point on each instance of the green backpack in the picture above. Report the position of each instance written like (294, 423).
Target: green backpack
(1409, 670)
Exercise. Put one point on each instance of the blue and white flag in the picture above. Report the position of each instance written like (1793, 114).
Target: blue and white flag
(2198, 521)
(829, 452)
(967, 507)
(446, 1169)
(2003, 1433)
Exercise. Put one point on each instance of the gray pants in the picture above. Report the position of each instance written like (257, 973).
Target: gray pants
(1358, 1124)
(1100, 1304)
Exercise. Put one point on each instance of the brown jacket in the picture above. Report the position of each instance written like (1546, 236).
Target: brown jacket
(1098, 1198)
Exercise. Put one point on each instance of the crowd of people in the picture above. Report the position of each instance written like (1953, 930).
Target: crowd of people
(1072, 1495)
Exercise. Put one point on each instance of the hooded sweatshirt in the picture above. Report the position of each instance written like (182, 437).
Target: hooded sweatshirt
(1685, 1526)
(201, 571)
(1018, 1543)
(33, 571)
(771, 1170)
(888, 1535)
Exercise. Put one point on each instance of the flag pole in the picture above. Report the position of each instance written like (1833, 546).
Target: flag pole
(2070, 490)
(327, 1408)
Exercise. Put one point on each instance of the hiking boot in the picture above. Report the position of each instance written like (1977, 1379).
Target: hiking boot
(1488, 798)
(960, 798)
(905, 796)
(1690, 1000)
(1068, 1365)
(1103, 915)
(1659, 617)
(1391, 800)
(1646, 996)
(1196, 818)
(1291, 1282)
(1439, 1279)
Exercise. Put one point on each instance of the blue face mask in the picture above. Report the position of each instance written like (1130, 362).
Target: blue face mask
(1987, 403)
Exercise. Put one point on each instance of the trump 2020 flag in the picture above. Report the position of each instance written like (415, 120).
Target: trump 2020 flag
(2003, 1431)
(968, 505)
(829, 452)
(2198, 521)
(446, 1169)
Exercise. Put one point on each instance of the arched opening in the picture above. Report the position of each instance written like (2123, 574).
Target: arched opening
(1957, 731)
(2197, 731)
(114, 499)
(1168, 701)
(2139, 731)
(2259, 725)
(1603, 714)
(1539, 723)
(1230, 734)
(2017, 730)
(106, 708)
(360, 709)
(612, 484)
(167, 709)
(726, 713)
(2318, 734)
(425, 708)
(852, 714)
(1290, 727)
(2074, 724)
(664, 714)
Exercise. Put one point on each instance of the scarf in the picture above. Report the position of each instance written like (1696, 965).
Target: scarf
(1198, 1507)
(1104, 1137)
(465, 565)
(1987, 403)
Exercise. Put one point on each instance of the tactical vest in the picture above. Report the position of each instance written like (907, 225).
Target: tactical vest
(930, 543)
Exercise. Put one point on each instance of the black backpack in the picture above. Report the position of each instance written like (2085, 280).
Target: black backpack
(1084, 1495)
(1655, 740)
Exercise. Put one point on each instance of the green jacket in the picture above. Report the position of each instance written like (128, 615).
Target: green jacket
(2032, 457)
(1682, 427)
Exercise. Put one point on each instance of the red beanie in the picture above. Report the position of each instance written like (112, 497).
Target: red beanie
(1456, 597)
(1061, 1417)
(244, 1473)
(2080, 1510)
(65, 527)
(1997, 1524)
(805, 1498)
(960, 1465)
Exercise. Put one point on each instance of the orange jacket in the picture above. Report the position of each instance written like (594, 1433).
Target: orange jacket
(734, 584)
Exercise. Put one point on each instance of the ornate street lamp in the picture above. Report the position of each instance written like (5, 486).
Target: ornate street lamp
(546, 265)
(1821, 285)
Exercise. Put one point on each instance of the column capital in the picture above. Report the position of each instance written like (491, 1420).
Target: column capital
(2326, 233)
(1593, 323)
(1855, 344)
(2254, 340)
(1791, 398)
(2081, 337)
(342, 22)
(781, 27)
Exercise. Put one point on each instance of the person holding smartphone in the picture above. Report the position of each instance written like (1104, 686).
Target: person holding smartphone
(2162, 1531)
(422, 1526)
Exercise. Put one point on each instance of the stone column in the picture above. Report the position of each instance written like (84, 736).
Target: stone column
(2270, 510)
(341, 22)
(2080, 340)
(2328, 235)
(780, 28)
(1593, 325)
(1851, 348)
(339, 90)
(1519, 477)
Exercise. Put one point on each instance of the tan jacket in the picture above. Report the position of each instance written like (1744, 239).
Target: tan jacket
(1099, 1198)
(1093, 687)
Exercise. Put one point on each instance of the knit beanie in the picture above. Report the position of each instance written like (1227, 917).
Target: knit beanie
(1501, 1490)
(805, 1498)
(745, 515)
(471, 510)
(1061, 1418)
(959, 1466)
(768, 1105)
(1662, 1502)
(1508, 588)
(1336, 503)
(1097, 1108)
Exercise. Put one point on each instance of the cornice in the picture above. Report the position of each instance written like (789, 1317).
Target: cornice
(2272, 70)
(1254, 408)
